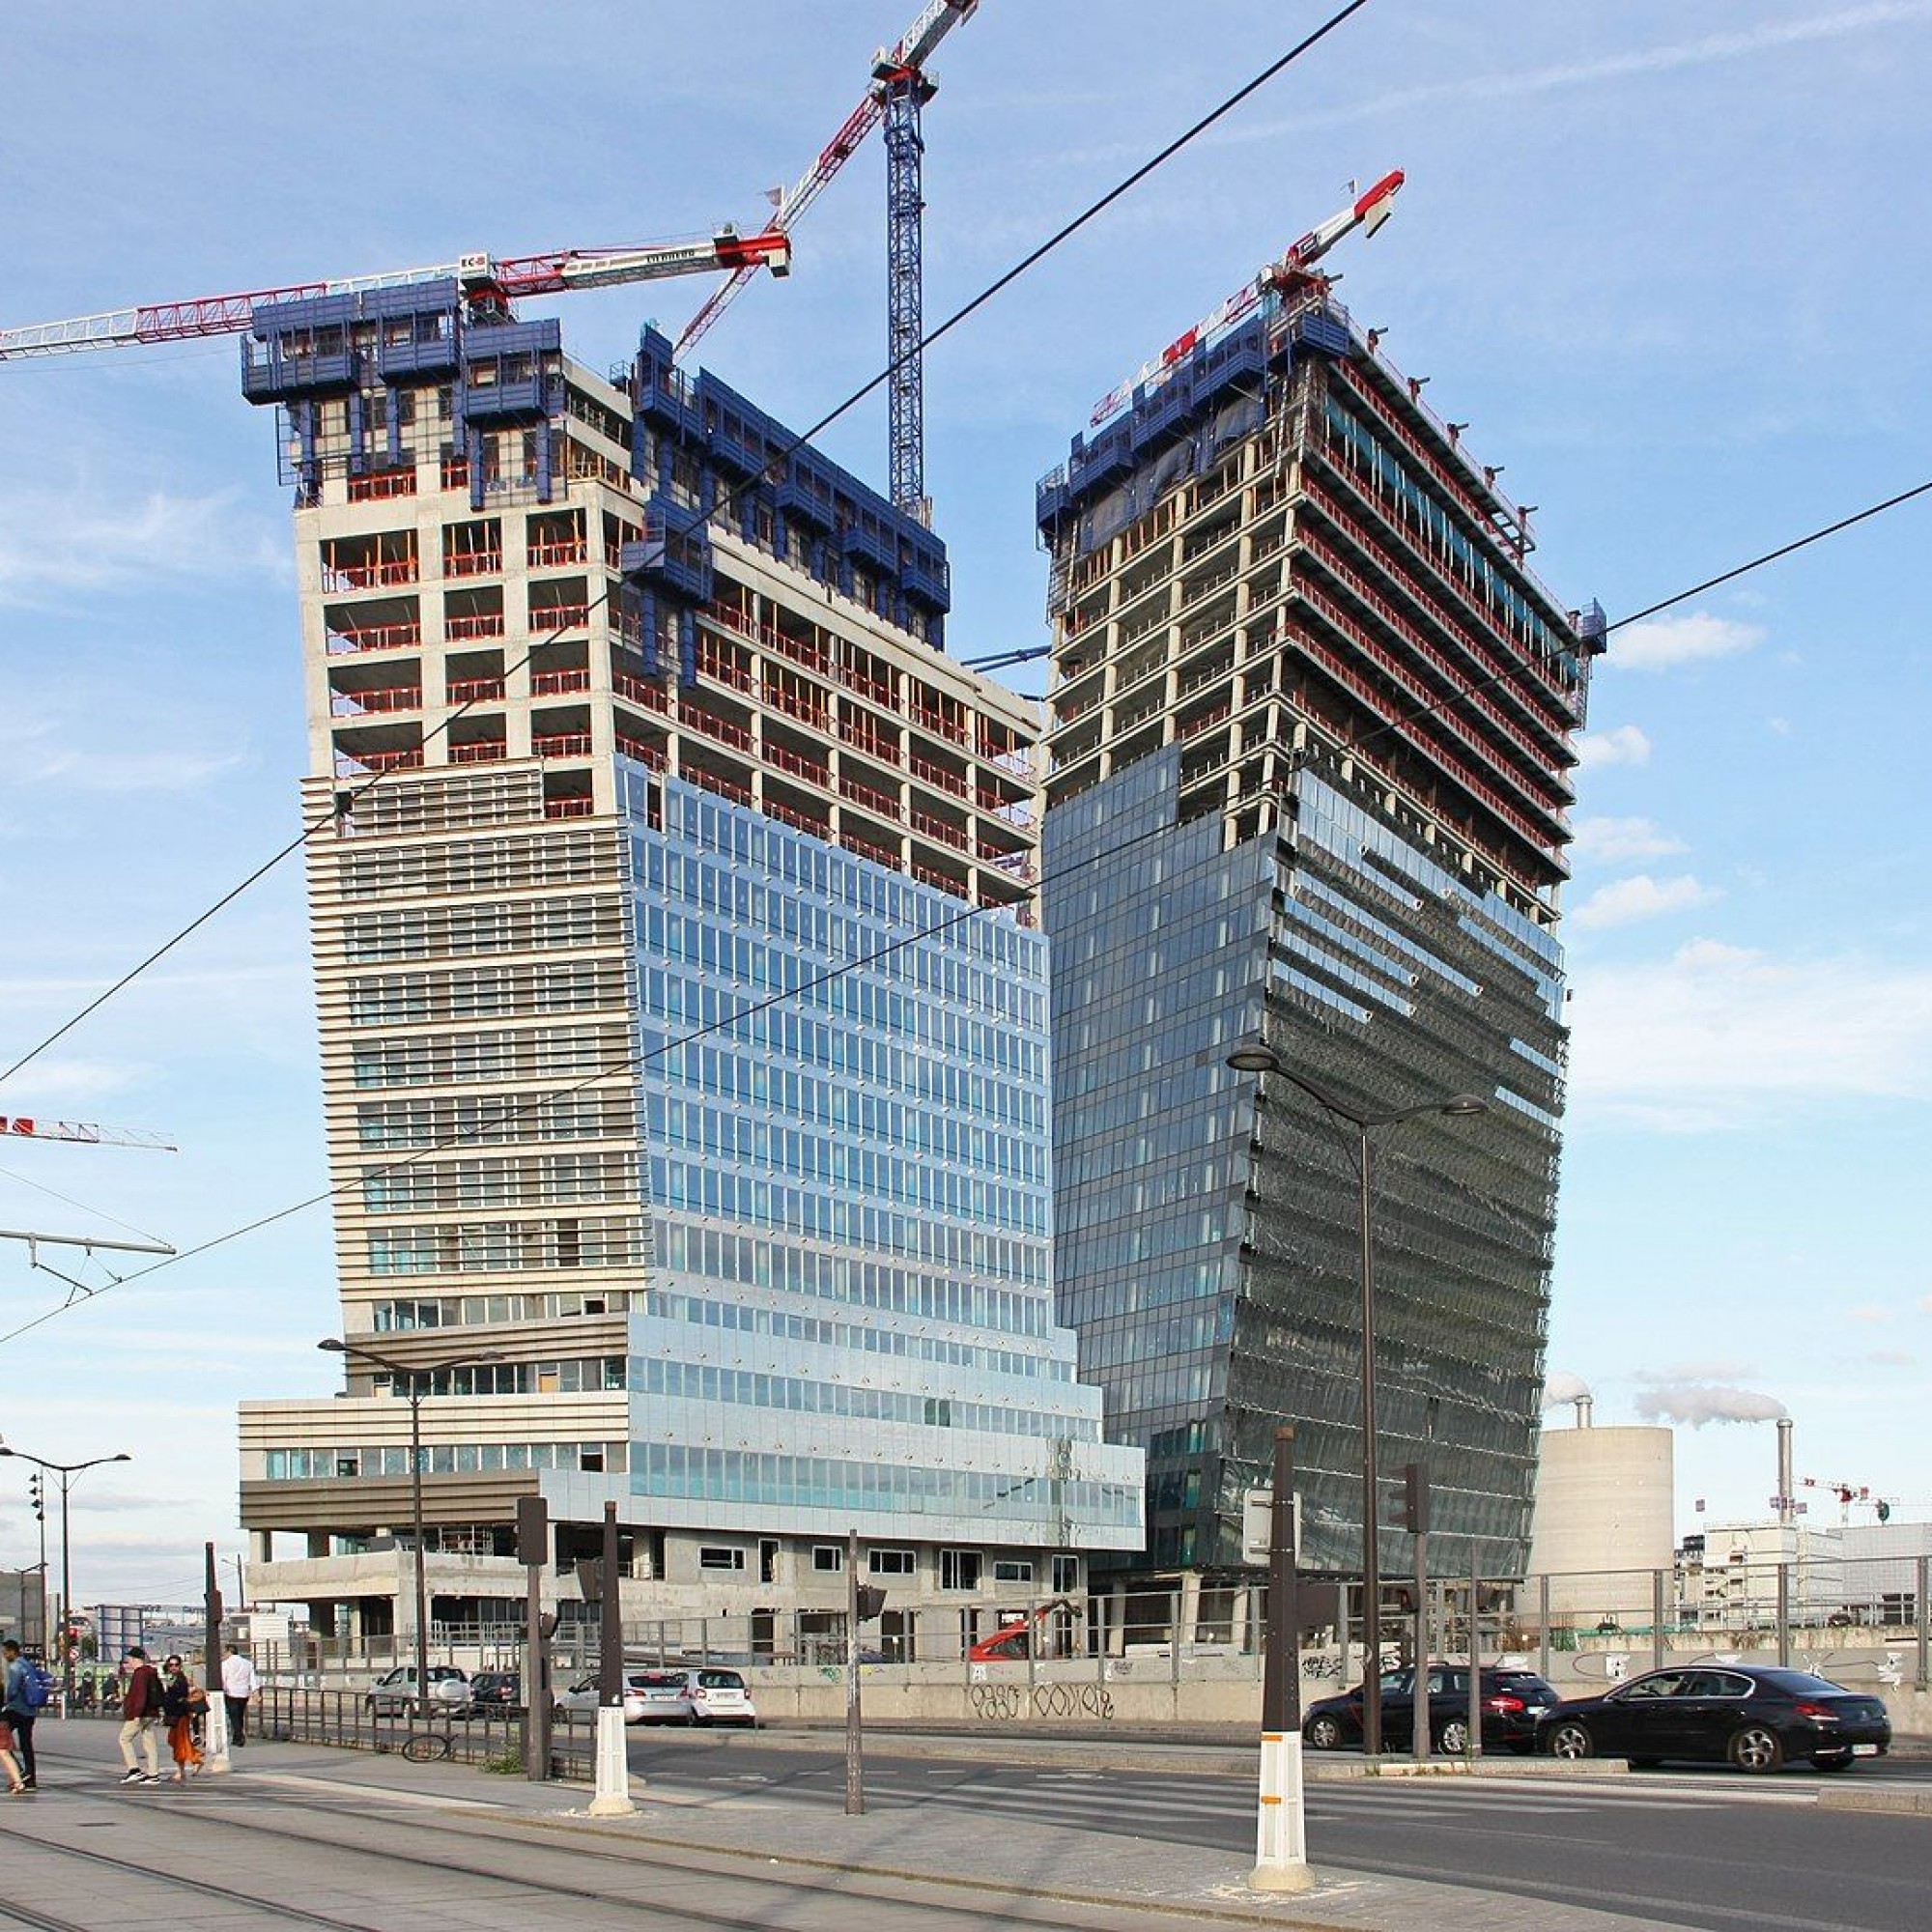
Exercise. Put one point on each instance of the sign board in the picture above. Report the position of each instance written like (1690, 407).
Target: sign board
(1258, 1526)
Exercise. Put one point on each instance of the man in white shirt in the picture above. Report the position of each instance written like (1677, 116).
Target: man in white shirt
(238, 1683)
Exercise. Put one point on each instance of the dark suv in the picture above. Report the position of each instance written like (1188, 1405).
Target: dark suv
(1514, 1703)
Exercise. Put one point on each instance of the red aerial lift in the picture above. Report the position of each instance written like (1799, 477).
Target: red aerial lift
(1014, 1640)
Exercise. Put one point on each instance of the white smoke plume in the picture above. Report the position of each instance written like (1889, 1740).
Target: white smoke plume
(1699, 1403)
(1561, 1386)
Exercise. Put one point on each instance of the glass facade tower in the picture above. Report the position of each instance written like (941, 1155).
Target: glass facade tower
(1310, 724)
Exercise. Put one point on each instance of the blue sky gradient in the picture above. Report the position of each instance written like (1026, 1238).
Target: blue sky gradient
(1664, 262)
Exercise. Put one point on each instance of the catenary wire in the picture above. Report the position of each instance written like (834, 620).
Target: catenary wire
(736, 1017)
(960, 315)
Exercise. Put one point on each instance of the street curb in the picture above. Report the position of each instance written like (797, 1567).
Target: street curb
(1908, 1804)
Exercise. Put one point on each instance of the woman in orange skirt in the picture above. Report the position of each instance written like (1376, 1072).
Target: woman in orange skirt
(183, 1700)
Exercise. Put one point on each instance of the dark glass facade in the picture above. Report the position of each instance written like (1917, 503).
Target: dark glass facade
(1311, 735)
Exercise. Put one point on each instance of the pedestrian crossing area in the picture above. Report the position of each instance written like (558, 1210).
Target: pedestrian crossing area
(1190, 1804)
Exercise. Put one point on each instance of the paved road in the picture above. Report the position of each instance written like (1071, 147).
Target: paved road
(1708, 1850)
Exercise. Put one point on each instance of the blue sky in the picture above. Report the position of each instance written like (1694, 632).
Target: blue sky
(1664, 261)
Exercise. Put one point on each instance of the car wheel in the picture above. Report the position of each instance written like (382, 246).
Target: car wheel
(1571, 1741)
(1756, 1750)
(1453, 1738)
(1323, 1733)
(1833, 1761)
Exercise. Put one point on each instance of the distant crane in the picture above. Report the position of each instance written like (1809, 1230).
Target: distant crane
(900, 90)
(36, 1127)
(489, 284)
(1849, 1493)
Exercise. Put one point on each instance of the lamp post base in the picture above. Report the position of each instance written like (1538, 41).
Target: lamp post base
(1280, 1828)
(613, 1767)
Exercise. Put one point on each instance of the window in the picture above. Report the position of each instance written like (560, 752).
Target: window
(1065, 1575)
(1007, 1570)
(717, 1557)
(828, 1558)
(958, 1569)
(891, 1562)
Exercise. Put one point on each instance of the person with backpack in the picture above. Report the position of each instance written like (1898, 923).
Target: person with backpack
(141, 1709)
(25, 1697)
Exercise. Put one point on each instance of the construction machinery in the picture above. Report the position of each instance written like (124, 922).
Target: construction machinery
(1367, 210)
(36, 1127)
(1014, 1640)
(489, 285)
(899, 90)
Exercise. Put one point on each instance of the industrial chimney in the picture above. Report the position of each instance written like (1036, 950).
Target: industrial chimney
(1786, 1482)
(1584, 1405)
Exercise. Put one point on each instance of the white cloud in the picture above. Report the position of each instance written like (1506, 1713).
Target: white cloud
(1868, 1312)
(1642, 898)
(1617, 842)
(1621, 745)
(1714, 1037)
(1666, 641)
(42, 754)
(1701, 52)
(55, 542)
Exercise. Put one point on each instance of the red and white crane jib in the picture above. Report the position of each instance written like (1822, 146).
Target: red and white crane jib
(35, 1127)
(909, 53)
(1367, 211)
(552, 273)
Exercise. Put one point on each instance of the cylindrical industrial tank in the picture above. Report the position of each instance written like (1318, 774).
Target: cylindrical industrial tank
(1605, 1522)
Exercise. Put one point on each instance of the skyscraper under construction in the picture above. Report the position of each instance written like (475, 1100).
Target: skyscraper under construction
(1311, 719)
(683, 1014)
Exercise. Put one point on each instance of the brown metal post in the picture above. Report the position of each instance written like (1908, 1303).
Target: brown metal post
(855, 1768)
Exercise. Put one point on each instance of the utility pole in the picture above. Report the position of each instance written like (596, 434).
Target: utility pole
(1280, 1828)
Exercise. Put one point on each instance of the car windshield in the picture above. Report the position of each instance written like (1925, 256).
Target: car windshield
(657, 1680)
(721, 1680)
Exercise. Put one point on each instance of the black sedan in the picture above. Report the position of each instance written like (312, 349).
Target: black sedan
(1513, 1702)
(1754, 1718)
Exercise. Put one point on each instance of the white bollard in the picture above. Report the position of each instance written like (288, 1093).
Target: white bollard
(613, 1766)
(1281, 1826)
(214, 1735)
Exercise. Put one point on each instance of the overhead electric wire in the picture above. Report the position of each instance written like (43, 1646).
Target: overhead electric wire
(804, 437)
(611, 1070)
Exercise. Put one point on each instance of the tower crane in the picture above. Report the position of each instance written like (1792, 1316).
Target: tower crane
(489, 284)
(36, 1127)
(1292, 267)
(899, 93)
(1848, 1494)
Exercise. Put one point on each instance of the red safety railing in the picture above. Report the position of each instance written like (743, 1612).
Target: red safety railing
(479, 752)
(937, 774)
(639, 691)
(653, 755)
(380, 484)
(474, 689)
(390, 697)
(553, 683)
(559, 617)
(559, 551)
(569, 807)
(378, 573)
(869, 796)
(724, 730)
(376, 638)
(472, 624)
(818, 773)
(472, 564)
(562, 745)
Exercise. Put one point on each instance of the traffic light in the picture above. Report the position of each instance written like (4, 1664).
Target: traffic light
(39, 1500)
(1885, 1512)
(1413, 1516)
(871, 1601)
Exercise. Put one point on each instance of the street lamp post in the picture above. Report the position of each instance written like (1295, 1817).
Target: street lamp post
(66, 1473)
(416, 1373)
(1258, 1057)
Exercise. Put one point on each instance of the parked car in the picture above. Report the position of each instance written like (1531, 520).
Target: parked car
(495, 1689)
(394, 1693)
(704, 1695)
(1754, 1717)
(1512, 1703)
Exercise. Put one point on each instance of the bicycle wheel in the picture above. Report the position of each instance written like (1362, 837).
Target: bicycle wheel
(426, 1747)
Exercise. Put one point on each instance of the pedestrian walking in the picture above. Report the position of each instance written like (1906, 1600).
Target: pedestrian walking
(10, 1762)
(238, 1683)
(141, 1709)
(182, 1701)
(25, 1697)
